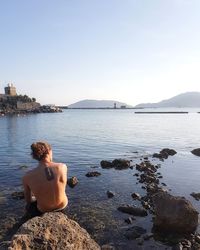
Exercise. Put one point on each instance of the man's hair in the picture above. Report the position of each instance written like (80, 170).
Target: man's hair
(40, 150)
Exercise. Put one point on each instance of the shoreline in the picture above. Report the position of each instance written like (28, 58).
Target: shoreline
(131, 170)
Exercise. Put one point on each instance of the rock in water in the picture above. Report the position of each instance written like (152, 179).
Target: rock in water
(168, 151)
(106, 164)
(135, 232)
(110, 194)
(18, 195)
(164, 153)
(174, 214)
(137, 211)
(52, 231)
(72, 182)
(196, 196)
(136, 196)
(196, 151)
(120, 164)
(93, 174)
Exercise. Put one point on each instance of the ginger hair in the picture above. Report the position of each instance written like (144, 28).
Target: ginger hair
(40, 150)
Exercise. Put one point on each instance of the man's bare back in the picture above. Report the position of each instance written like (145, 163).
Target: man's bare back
(47, 182)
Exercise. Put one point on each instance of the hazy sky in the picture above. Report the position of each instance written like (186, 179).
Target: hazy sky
(127, 50)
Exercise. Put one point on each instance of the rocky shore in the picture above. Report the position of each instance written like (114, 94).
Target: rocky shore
(32, 110)
(174, 220)
(52, 231)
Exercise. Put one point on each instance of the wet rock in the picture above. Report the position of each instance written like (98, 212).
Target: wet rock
(121, 164)
(52, 231)
(137, 211)
(168, 151)
(174, 214)
(148, 178)
(164, 153)
(136, 196)
(129, 220)
(18, 195)
(146, 167)
(145, 205)
(72, 182)
(135, 232)
(110, 194)
(136, 174)
(93, 174)
(141, 167)
(106, 164)
(160, 156)
(196, 196)
(196, 151)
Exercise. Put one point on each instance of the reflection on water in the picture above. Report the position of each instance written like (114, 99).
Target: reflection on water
(82, 138)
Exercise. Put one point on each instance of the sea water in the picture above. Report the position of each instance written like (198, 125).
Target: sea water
(81, 139)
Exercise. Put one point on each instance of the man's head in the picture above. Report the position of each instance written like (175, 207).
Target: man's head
(40, 151)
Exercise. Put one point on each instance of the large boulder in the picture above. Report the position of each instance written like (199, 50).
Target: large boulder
(174, 214)
(52, 231)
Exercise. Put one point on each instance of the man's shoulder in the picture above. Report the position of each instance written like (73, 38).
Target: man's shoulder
(61, 166)
(28, 174)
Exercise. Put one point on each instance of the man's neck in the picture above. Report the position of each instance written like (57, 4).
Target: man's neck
(45, 162)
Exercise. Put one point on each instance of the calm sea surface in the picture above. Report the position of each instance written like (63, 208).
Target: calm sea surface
(81, 139)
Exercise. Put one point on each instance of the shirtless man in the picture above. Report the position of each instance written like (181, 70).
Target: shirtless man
(47, 182)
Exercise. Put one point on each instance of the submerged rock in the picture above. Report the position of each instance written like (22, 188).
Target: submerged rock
(72, 182)
(18, 195)
(196, 151)
(93, 174)
(52, 231)
(137, 211)
(174, 214)
(135, 232)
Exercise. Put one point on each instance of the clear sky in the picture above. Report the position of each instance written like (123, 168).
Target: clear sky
(126, 50)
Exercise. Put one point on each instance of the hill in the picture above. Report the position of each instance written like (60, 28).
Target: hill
(97, 104)
(185, 100)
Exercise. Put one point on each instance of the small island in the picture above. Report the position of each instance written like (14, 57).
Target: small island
(12, 103)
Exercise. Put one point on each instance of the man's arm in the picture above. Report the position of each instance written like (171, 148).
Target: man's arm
(27, 192)
(64, 174)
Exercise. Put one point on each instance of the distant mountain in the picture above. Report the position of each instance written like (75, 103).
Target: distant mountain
(185, 100)
(97, 104)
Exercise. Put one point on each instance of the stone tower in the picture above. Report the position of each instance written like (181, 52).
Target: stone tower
(10, 90)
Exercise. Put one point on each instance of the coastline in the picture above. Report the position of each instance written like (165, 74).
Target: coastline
(126, 222)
